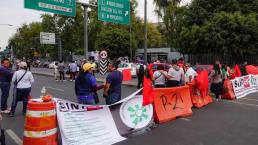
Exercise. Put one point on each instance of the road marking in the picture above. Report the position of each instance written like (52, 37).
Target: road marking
(253, 105)
(56, 89)
(16, 139)
(185, 119)
(249, 99)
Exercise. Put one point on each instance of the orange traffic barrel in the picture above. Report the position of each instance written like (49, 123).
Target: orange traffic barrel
(40, 124)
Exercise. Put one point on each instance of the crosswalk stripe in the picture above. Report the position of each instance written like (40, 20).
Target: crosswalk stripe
(16, 139)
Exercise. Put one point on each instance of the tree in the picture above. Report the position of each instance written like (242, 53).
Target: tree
(115, 41)
(217, 26)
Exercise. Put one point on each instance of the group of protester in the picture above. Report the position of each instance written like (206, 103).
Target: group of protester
(181, 73)
(22, 79)
(86, 86)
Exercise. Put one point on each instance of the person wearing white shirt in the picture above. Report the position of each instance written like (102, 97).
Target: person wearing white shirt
(175, 75)
(22, 80)
(159, 77)
(190, 74)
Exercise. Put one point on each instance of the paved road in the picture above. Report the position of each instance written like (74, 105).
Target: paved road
(100, 78)
(221, 123)
(64, 90)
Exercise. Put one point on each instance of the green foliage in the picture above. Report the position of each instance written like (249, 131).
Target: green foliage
(115, 41)
(213, 26)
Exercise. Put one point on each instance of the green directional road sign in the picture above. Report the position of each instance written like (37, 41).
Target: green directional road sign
(62, 7)
(115, 11)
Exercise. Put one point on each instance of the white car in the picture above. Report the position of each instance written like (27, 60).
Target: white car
(51, 65)
(130, 66)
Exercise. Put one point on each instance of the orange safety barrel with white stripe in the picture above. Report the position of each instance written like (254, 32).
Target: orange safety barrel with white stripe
(40, 124)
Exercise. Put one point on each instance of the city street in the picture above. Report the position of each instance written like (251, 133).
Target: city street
(221, 123)
(63, 90)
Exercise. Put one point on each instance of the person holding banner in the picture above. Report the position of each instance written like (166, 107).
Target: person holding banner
(216, 81)
(113, 89)
(86, 86)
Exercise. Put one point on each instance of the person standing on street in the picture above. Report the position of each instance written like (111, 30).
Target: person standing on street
(140, 73)
(86, 86)
(175, 75)
(113, 89)
(190, 73)
(73, 69)
(56, 71)
(61, 69)
(216, 81)
(159, 77)
(5, 83)
(22, 80)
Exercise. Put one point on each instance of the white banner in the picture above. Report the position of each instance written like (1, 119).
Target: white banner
(245, 85)
(80, 126)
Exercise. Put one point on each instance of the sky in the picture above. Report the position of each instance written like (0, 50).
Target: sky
(12, 12)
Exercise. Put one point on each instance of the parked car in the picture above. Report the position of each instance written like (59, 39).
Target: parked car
(130, 66)
(52, 64)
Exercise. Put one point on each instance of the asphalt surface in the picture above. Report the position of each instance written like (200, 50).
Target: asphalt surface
(63, 90)
(220, 123)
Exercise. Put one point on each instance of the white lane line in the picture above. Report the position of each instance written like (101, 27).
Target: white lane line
(249, 99)
(240, 103)
(56, 89)
(185, 119)
(16, 139)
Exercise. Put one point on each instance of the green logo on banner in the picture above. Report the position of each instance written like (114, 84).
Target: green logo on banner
(137, 114)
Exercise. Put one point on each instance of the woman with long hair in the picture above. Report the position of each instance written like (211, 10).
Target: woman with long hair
(86, 85)
(216, 81)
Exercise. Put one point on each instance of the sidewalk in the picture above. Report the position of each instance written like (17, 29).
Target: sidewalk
(99, 78)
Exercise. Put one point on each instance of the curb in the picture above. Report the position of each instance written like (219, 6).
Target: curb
(98, 80)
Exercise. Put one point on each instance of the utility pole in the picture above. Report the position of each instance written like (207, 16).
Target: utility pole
(131, 51)
(86, 45)
(145, 31)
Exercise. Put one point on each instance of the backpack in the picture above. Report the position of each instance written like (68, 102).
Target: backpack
(141, 70)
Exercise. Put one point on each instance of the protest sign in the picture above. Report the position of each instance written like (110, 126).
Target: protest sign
(244, 85)
(79, 126)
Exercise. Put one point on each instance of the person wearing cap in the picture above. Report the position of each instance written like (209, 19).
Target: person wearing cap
(86, 85)
(22, 80)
